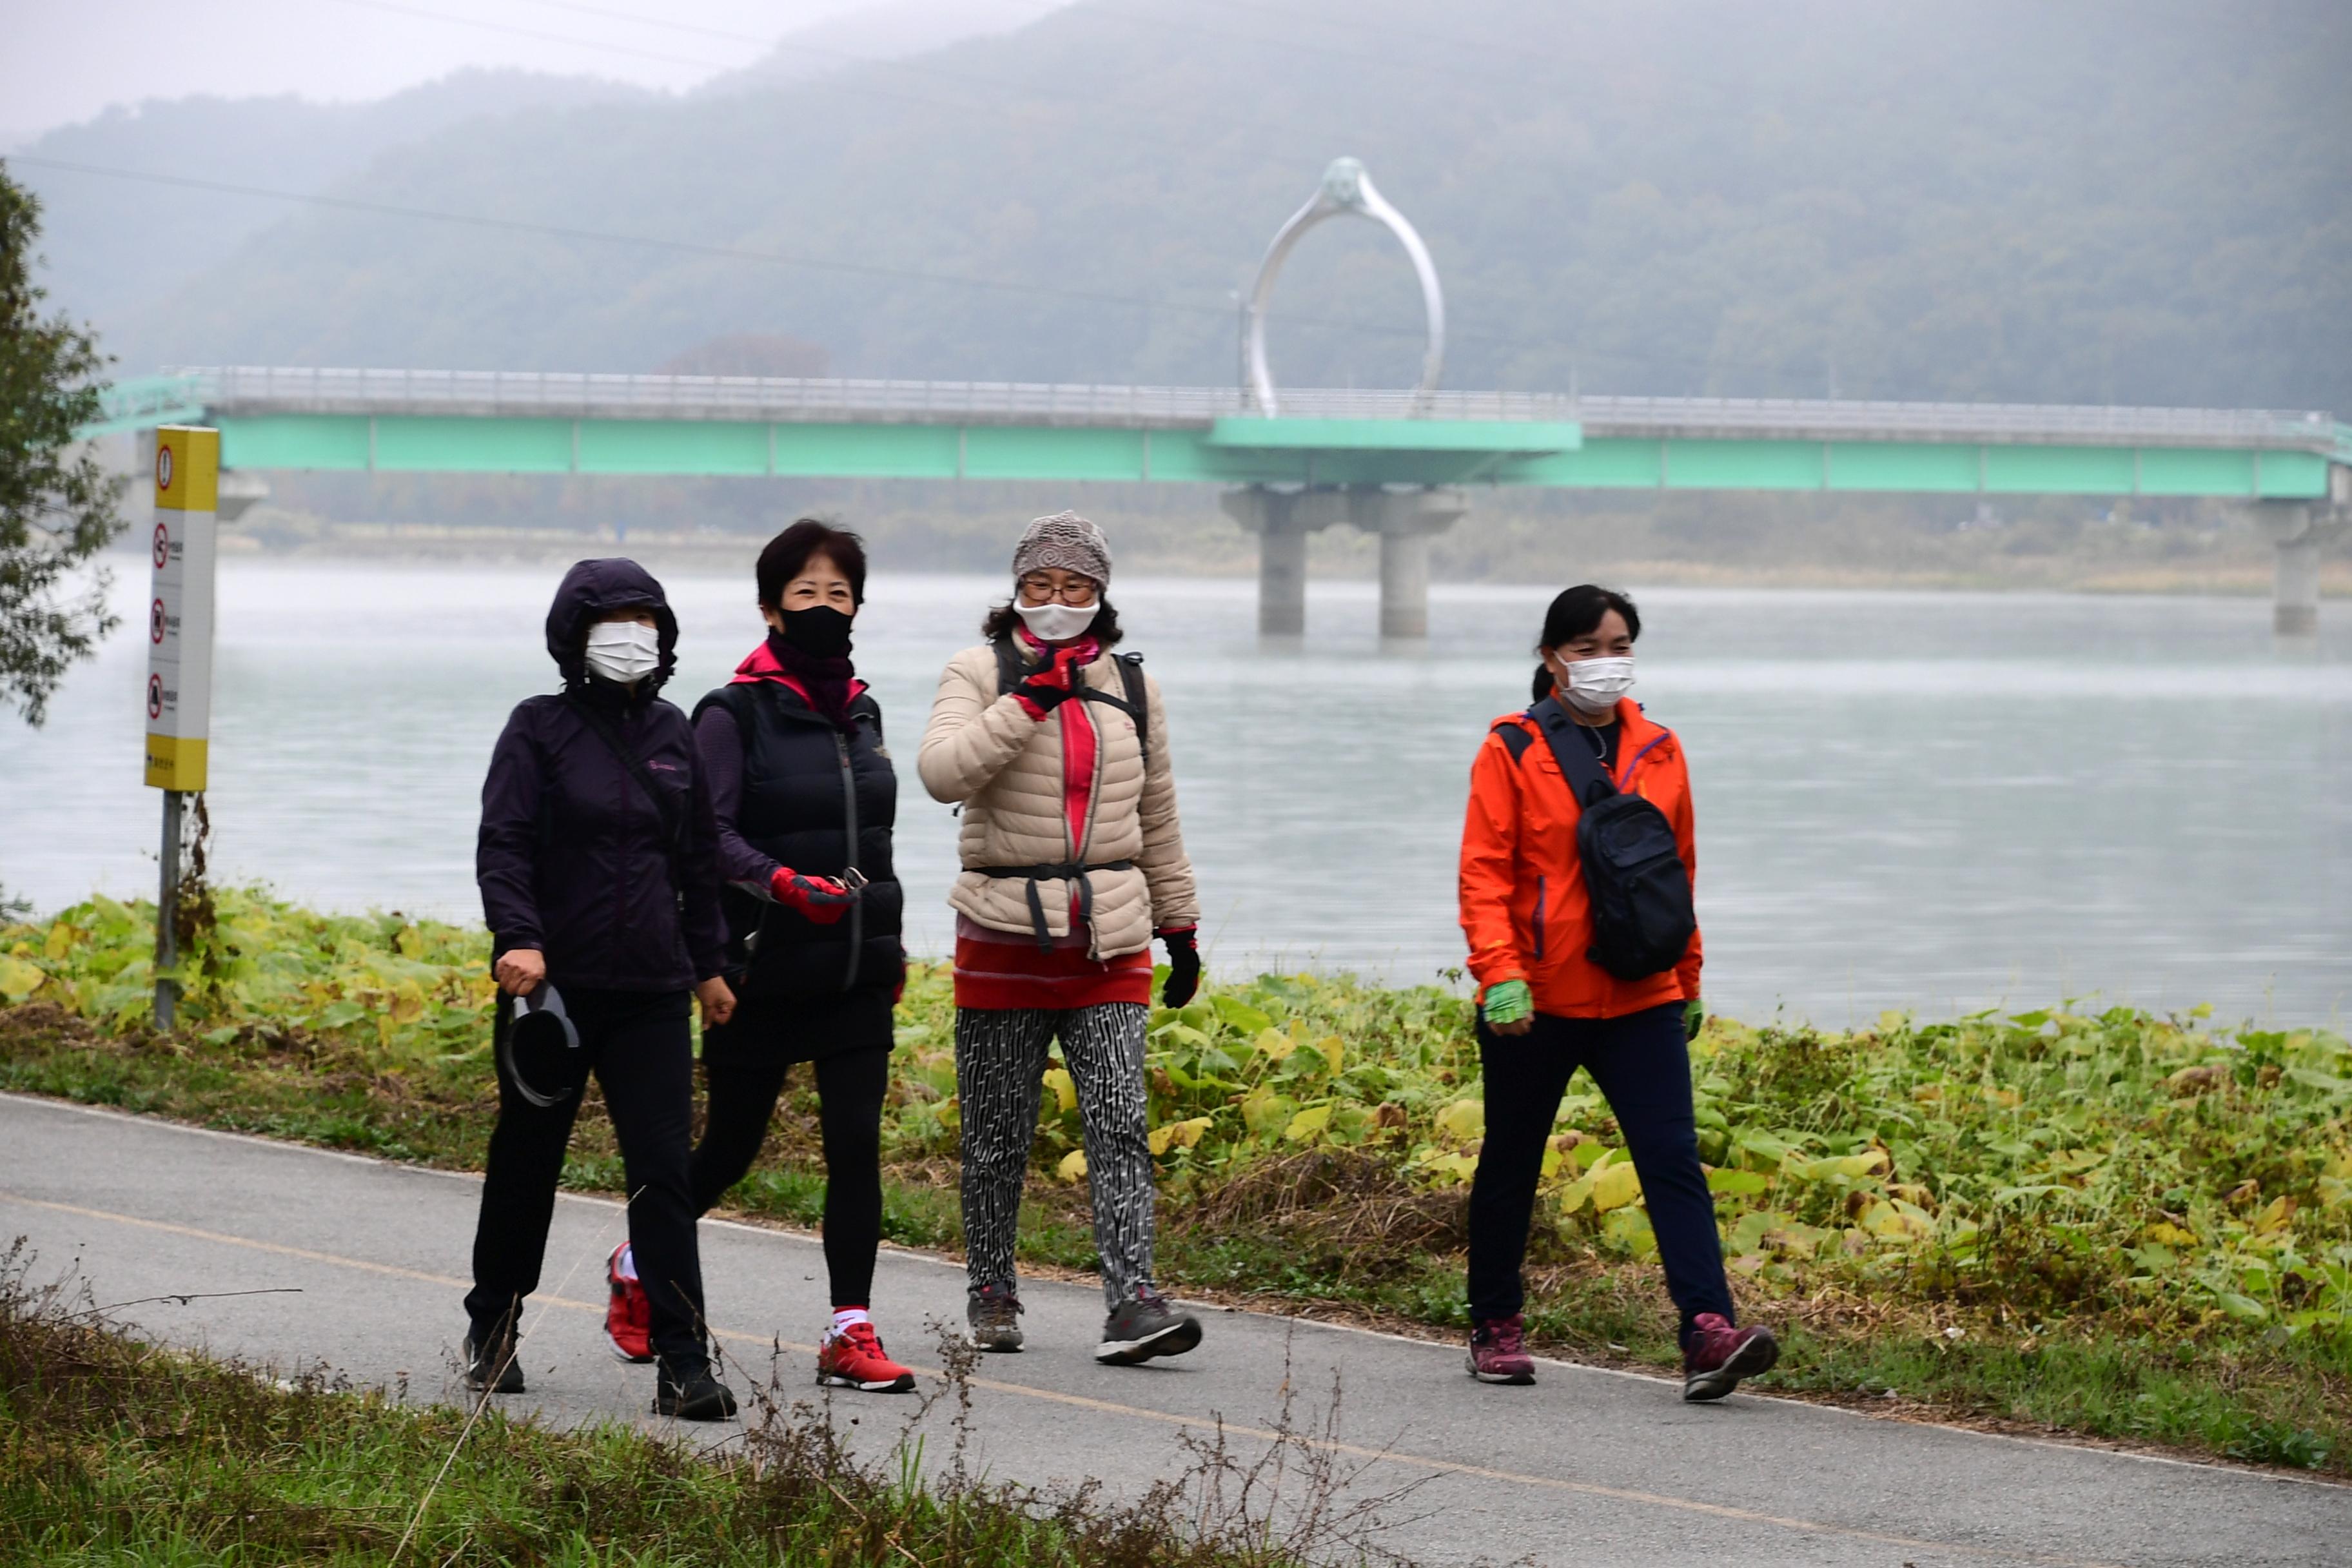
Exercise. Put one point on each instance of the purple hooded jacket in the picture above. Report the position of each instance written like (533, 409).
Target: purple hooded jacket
(573, 858)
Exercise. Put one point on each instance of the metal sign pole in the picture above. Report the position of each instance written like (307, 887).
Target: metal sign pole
(167, 905)
(179, 661)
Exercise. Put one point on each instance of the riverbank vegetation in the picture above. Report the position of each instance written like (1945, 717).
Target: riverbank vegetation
(2044, 543)
(2105, 1221)
(119, 1453)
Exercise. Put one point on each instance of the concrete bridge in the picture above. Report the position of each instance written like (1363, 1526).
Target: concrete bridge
(1401, 465)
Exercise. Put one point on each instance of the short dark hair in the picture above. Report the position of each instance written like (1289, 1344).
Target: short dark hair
(789, 552)
(1104, 629)
(1573, 613)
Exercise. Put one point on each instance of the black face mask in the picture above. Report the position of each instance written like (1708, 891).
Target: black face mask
(820, 631)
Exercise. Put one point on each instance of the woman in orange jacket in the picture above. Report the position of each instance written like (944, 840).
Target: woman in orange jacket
(1547, 1005)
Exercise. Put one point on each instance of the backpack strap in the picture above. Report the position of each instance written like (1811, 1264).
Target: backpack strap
(1136, 704)
(1516, 740)
(1577, 763)
(1012, 670)
(673, 822)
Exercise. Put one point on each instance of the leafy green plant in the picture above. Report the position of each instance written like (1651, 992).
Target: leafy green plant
(2006, 1192)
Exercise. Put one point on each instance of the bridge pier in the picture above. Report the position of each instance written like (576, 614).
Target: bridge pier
(1282, 519)
(2298, 531)
(1404, 518)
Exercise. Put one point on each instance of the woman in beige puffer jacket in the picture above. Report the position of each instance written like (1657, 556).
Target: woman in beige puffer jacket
(1073, 861)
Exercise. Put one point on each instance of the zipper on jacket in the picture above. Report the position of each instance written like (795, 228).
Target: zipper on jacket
(856, 897)
(1541, 882)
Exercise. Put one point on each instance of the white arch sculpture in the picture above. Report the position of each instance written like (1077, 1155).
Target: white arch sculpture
(1346, 189)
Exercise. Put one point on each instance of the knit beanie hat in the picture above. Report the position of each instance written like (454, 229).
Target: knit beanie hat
(1065, 539)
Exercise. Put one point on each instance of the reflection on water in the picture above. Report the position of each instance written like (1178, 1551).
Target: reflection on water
(1942, 802)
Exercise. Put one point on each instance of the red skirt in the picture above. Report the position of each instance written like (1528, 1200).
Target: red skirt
(1002, 969)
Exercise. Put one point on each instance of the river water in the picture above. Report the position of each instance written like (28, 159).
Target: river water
(1939, 802)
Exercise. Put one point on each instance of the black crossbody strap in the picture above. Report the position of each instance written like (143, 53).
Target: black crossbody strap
(673, 824)
(1577, 763)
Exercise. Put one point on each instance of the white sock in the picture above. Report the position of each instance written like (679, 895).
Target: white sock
(627, 1267)
(844, 1316)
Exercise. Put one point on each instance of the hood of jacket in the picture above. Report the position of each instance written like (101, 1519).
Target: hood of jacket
(590, 591)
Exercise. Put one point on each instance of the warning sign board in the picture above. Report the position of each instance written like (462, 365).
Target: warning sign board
(178, 693)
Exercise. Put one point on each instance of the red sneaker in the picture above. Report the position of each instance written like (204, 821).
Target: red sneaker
(628, 1316)
(1498, 1351)
(853, 1359)
(1720, 1355)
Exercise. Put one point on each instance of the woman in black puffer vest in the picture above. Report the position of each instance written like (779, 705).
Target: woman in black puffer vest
(805, 796)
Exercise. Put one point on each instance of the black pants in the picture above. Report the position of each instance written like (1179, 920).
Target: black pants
(744, 1064)
(1641, 1064)
(642, 1052)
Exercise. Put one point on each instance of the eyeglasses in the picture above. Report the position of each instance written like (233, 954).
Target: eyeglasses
(1080, 591)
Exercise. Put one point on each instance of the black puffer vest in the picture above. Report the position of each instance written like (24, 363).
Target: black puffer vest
(811, 793)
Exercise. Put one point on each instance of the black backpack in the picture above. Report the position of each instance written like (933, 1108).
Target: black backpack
(1634, 877)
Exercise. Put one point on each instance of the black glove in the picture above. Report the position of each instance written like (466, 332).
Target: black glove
(1183, 967)
(1052, 684)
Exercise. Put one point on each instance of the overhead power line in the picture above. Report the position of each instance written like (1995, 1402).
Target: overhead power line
(724, 252)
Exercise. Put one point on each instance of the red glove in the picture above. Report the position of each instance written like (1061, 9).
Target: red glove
(1050, 685)
(821, 898)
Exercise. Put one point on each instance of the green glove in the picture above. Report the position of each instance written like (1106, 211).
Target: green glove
(1509, 1003)
(1693, 1018)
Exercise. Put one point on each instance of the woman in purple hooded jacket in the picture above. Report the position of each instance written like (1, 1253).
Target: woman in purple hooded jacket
(599, 871)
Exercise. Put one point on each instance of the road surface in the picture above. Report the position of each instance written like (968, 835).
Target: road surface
(1588, 1467)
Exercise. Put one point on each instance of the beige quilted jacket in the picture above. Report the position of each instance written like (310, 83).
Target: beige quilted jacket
(985, 750)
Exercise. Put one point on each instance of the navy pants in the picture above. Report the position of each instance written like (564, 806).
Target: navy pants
(1641, 1064)
(642, 1052)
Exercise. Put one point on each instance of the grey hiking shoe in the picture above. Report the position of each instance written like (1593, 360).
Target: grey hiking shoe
(693, 1393)
(994, 1313)
(491, 1363)
(1145, 1326)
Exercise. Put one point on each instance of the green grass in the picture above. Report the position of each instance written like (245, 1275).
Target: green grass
(2105, 1221)
(114, 1453)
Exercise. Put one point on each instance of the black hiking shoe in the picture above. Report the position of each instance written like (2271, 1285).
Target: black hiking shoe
(492, 1362)
(1145, 1326)
(697, 1396)
(994, 1313)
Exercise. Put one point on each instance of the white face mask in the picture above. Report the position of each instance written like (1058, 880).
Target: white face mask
(623, 651)
(1595, 684)
(1055, 621)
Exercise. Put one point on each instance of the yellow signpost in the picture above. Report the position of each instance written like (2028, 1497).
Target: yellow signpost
(178, 693)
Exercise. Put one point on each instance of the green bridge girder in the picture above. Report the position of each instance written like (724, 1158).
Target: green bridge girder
(1369, 452)
(506, 423)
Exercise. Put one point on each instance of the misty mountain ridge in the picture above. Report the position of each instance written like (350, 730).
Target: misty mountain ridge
(1979, 201)
(99, 233)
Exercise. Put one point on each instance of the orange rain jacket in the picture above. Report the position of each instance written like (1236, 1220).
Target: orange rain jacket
(1523, 900)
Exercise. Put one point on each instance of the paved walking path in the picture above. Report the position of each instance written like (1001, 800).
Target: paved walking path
(1588, 1467)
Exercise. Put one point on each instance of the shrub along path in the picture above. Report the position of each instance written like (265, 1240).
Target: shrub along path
(1588, 1467)
(2104, 1223)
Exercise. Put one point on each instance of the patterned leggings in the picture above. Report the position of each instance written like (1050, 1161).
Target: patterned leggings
(1000, 1061)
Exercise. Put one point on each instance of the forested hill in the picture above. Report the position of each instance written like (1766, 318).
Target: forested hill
(2140, 202)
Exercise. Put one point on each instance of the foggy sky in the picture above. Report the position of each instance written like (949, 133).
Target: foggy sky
(66, 60)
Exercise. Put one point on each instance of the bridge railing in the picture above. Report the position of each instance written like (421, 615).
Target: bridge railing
(496, 393)
(1692, 418)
